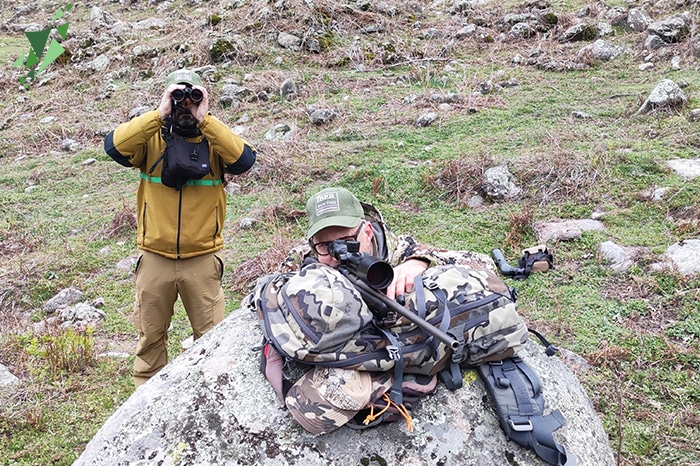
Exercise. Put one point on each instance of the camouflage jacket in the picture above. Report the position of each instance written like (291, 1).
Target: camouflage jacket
(396, 249)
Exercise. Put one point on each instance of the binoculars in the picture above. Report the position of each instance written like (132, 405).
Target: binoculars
(179, 95)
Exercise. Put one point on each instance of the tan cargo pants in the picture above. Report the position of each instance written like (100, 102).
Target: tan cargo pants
(159, 281)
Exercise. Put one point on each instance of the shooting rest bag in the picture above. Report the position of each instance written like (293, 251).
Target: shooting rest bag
(474, 306)
(516, 395)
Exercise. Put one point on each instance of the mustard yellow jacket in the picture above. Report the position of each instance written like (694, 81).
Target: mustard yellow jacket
(185, 223)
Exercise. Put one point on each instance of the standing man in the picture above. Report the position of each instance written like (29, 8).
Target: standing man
(179, 224)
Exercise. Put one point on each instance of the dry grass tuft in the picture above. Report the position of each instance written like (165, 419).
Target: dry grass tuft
(609, 356)
(518, 225)
(124, 222)
(263, 264)
(558, 176)
(460, 179)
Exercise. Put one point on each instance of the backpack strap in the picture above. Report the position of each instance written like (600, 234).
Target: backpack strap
(396, 354)
(420, 283)
(516, 394)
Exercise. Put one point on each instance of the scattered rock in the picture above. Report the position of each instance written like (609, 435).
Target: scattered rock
(138, 111)
(70, 145)
(80, 314)
(233, 189)
(671, 30)
(475, 202)
(426, 119)
(7, 378)
(288, 89)
(685, 256)
(280, 131)
(602, 50)
(288, 41)
(666, 95)
(321, 116)
(565, 230)
(638, 20)
(497, 184)
(247, 223)
(687, 168)
(65, 297)
(149, 23)
(658, 194)
(622, 258)
(579, 32)
(127, 263)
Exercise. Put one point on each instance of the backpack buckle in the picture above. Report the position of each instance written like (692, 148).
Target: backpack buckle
(430, 284)
(394, 353)
(520, 425)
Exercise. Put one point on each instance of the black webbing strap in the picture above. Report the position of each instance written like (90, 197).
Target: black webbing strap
(528, 261)
(549, 349)
(420, 283)
(451, 375)
(515, 391)
(395, 354)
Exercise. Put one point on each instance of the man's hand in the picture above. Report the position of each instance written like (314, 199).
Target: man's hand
(166, 102)
(403, 277)
(200, 110)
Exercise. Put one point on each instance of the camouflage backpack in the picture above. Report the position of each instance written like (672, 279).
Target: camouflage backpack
(317, 317)
(474, 306)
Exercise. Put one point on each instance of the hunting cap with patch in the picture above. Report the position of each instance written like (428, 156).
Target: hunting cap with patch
(325, 398)
(333, 207)
(183, 77)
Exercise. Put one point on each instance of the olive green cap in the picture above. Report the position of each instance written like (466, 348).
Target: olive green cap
(183, 77)
(333, 207)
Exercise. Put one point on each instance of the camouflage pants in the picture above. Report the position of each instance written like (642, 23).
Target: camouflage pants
(159, 281)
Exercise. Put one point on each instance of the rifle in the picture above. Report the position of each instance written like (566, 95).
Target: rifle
(371, 275)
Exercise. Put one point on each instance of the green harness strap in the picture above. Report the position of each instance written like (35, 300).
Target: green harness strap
(156, 179)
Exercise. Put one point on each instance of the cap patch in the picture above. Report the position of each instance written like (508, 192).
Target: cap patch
(327, 202)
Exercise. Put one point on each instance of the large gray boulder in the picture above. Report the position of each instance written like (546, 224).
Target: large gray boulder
(211, 406)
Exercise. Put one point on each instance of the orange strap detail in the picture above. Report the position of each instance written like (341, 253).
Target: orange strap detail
(400, 408)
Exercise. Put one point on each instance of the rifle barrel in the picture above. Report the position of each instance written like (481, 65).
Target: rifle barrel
(365, 289)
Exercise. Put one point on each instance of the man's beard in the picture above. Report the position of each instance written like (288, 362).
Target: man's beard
(182, 122)
(184, 118)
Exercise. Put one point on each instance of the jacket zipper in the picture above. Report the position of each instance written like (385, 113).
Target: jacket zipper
(179, 224)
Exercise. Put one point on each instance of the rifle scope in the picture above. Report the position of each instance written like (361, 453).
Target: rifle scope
(376, 272)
